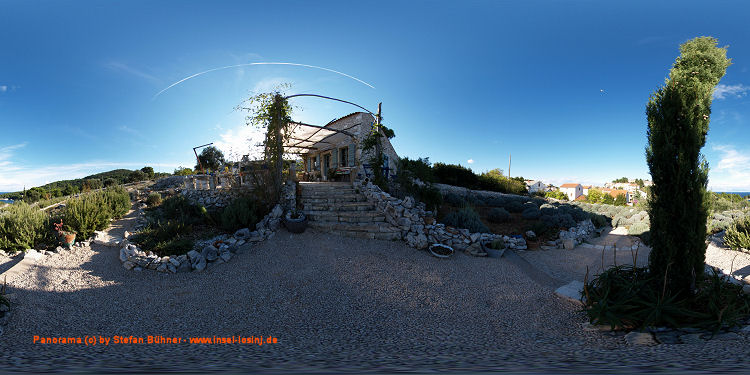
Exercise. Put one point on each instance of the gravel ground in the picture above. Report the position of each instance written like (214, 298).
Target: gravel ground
(335, 304)
(567, 265)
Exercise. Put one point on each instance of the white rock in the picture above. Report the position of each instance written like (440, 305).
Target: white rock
(640, 338)
(572, 291)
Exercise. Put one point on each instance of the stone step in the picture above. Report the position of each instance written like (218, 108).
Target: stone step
(354, 227)
(339, 206)
(328, 201)
(323, 194)
(345, 216)
(334, 198)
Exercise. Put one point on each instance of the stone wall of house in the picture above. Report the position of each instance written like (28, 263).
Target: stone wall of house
(360, 124)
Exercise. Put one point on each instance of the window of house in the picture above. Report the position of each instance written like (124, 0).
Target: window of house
(344, 156)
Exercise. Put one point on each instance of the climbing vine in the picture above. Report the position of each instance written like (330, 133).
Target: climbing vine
(271, 111)
(373, 141)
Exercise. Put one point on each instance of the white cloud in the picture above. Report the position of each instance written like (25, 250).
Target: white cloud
(470, 161)
(3, 88)
(242, 140)
(722, 91)
(732, 172)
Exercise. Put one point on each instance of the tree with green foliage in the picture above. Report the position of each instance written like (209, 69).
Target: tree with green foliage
(607, 199)
(148, 171)
(211, 159)
(183, 171)
(620, 200)
(621, 180)
(136, 176)
(678, 118)
(595, 196)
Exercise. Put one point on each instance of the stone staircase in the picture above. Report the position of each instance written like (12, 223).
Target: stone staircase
(337, 208)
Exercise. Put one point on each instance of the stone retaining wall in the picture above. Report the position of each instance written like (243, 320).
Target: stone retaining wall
(214, 199)
(419, 229)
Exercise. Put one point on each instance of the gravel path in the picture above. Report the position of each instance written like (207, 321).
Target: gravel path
(334, 303)
(568, 265)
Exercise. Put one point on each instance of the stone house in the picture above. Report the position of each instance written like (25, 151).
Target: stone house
(535, 186)
(334, 152)
(573, 191)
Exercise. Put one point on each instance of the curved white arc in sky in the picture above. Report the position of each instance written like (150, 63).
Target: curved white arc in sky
(259, 63)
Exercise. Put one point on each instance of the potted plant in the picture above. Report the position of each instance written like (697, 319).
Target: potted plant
(66, 238)
(495, 249)
(440, 251)
(295, 221)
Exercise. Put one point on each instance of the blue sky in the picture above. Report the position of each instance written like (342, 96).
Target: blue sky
(464, 82)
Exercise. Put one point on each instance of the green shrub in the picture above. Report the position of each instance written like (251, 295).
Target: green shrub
(241, 213)
(455, 175)
(556, 195)
(531, 213)
(418, 168)
(86, 214)
(454, 199)
(165, 238)
(548, 209)
(495, 201)
(632, 298)
(430, 196)
(495, 181)
(118, 201)
(498, 215)
(22, 227)
(737, 235)
(514, 206)
(637, 229)
(528, 205)
(154, 199)
(598, 220)
(466, 217)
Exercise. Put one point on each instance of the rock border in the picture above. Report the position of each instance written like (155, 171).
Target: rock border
(217, 250)
(418, 227)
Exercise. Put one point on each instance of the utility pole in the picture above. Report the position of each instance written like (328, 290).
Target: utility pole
(509, 165)
(378, 147)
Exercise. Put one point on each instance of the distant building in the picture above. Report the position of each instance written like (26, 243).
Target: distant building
(615, 192)
(586, 190)
(573, 191)
(535, 186)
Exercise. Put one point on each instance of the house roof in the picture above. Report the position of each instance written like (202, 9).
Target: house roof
(614, 192)
(303, 137)
(581, 198)
(569, 185)
(587, 186)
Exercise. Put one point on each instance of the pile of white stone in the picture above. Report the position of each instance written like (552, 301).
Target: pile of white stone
(217, 250)
(418, 227)
(569, 239)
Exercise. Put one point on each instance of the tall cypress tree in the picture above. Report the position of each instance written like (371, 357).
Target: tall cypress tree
(678, 117)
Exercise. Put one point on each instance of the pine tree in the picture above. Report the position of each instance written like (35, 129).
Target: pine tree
(678, 117)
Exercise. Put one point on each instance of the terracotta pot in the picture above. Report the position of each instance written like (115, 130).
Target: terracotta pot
(67, 239)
